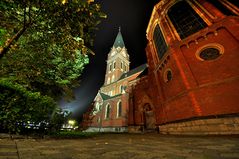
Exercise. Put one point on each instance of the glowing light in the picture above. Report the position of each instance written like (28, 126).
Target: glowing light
(71, 122)
(63, 1)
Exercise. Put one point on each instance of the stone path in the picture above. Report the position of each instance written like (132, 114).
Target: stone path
(123, 146)
(8, 149)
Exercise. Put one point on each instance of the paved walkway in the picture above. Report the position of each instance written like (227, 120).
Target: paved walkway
(123, 146)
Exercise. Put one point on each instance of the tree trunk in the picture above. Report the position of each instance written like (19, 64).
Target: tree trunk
(10, 42)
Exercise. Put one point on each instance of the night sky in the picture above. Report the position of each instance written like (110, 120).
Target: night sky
(133, 17)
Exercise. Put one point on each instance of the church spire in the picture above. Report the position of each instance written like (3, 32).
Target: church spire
(119, 42)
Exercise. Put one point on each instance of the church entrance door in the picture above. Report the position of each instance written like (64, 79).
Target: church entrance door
(149, 119)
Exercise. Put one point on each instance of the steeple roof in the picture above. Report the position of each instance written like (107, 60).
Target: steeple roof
(119, 42)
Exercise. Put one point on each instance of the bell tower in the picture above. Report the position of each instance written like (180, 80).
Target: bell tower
(117, 61)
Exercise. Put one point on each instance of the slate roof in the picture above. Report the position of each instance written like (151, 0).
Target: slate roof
(119, 42)
(131, 72)
(105, 96)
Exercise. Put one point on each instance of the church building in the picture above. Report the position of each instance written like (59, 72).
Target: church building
(110, 112)
(191, 85)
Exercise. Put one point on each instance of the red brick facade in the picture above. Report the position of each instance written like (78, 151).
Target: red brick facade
(198, 88)
(193, 71)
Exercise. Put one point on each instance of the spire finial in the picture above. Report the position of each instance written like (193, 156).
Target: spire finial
(119, 28)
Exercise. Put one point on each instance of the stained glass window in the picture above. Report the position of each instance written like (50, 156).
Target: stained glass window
(159, 42)
(185, 20)
(119, 109)
(107, 113)
(209, 54)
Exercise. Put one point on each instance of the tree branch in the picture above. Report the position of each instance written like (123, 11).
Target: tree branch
(10, 42)
(25, 8)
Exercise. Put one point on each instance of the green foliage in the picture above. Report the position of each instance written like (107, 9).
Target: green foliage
(43, 51)
(58, 118)
(19, 106)
(2, 38)
(50, 53)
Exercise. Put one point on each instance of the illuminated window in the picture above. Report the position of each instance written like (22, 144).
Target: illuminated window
(185, 20)
(107, 112)
(159, 42)
(125, 69)
(121, 88)
(110, 69)
(108, 80)
(119, 109)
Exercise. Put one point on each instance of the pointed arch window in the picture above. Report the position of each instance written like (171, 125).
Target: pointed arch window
(119, 109)
(159, 42)
(185, 20)
(110, 67)
(107, 111)
(121, 88)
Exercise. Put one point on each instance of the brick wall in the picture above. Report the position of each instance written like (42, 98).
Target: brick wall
(198, 88)
(223, 126)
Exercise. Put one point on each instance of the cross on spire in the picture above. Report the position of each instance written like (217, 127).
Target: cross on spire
(119, 42)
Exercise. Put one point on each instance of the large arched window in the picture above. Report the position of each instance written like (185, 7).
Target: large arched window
(159, 42)
(185, 20)
(107, 111)
(119, 109)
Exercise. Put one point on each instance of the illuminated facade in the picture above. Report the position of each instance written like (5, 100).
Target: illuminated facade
(110, 112)
(192, 84)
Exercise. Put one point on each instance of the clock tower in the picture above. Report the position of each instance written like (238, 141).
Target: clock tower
(117, 61)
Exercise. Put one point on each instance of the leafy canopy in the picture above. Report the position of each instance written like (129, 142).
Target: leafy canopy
(44, 47)
(19, 106)
(44, 42)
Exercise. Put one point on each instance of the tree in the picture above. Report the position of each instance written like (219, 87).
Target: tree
(44, 46)
(58, 118)
(44, 43)
(20, 106)
(61, 20)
